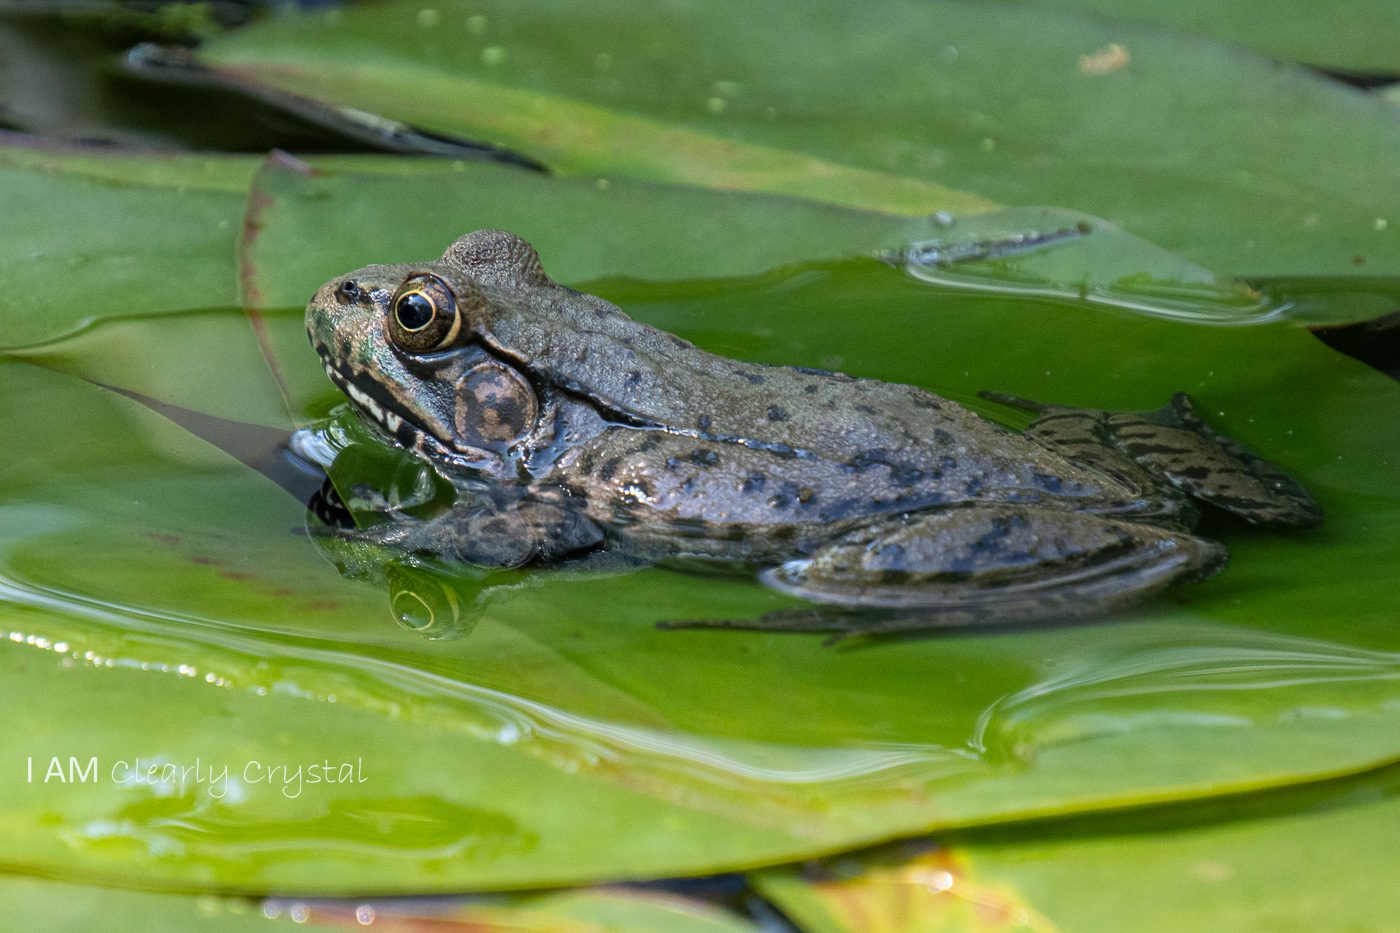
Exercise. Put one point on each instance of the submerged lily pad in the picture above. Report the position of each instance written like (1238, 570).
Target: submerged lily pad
(1204, 149)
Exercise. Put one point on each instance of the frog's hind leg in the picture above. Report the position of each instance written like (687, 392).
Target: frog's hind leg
(982, 565)
(1080, 434)
(1174, 443)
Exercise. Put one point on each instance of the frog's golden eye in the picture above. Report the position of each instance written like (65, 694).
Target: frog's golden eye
(423, 315)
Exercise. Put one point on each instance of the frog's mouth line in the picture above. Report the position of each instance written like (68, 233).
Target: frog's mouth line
(381, 408)
(387, 413)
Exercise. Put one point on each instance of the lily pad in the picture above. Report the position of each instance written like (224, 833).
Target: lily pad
(1361, 38)
(1285, 861)
(86, 231)
(601, 910)
(35, 904)
(562, 738)
(40, 904)
(164, 605)
(1207, 150)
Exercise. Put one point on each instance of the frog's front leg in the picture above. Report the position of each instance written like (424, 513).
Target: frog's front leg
(1174, 443)
(488, 531)
(982, 565)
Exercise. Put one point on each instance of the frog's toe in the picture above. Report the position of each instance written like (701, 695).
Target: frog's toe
(840, 625)
(995, 564)
(1016, 401)
(837, 621)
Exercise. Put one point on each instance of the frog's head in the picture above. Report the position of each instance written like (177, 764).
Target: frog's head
(400, 341)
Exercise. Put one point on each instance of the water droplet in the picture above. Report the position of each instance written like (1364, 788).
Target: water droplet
(364, 914)
(1380, 223)
(716, 105)
(428, 17)
(476, 25)
(603, 61)
(493, 55)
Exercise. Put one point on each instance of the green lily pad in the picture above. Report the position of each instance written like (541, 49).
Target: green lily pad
(1306, 859)
(728, 173)
(1204, 149)
(97, 235)
(44, 905)
(562, 738)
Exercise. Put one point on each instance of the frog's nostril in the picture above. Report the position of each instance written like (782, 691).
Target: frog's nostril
(349, 292)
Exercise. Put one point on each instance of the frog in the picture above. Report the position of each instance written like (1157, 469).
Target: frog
(569, 428)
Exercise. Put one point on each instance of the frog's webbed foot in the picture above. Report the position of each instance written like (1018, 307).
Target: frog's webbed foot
(1174, 443)
(979, 565)
(1220, 470)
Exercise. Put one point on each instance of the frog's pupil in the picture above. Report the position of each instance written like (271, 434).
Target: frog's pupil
(414, 311)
